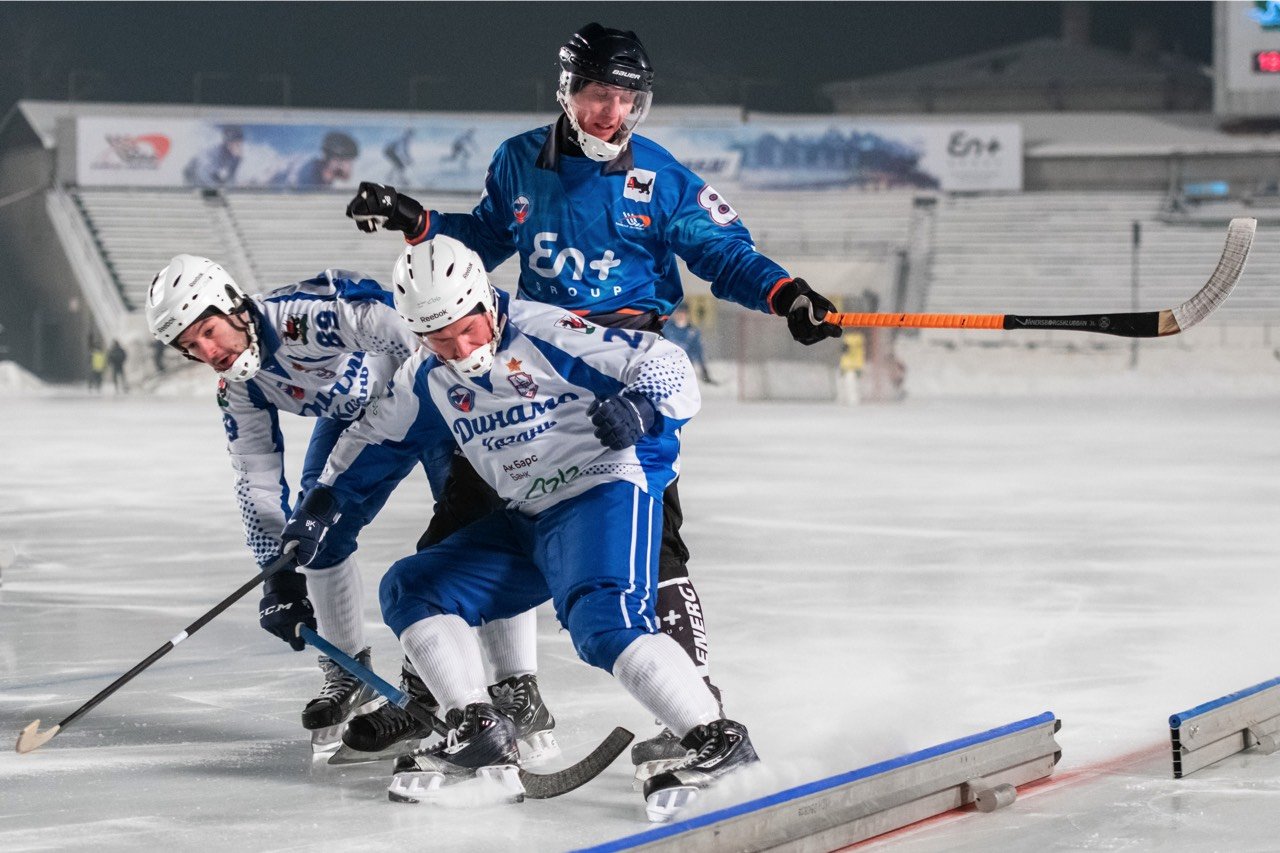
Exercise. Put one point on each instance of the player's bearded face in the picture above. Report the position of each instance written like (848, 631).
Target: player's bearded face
(215, 340)
(461, 338)
(601, 109)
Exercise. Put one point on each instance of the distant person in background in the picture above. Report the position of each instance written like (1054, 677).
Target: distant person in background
(116, 357)
(400, 157)
(460, 150)
(97, 364)
(337, 152)
(216, 166)
(683, 333)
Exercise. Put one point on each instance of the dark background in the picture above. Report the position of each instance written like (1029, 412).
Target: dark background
(502, 56)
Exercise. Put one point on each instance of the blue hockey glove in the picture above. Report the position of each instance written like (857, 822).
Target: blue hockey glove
(284, 606)
(380, 206)
(622, 419)
(804, 309)
(311, 520)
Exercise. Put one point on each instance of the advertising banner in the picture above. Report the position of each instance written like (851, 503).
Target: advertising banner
(452, 154)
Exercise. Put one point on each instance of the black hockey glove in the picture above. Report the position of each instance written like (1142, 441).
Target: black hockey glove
(284, 606)
(311, 520)
(804, 309)
(622, 419)
(380, 206)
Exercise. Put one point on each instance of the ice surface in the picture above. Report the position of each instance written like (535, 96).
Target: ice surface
(877, 580)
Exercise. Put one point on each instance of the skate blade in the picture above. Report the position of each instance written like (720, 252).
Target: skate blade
(490, 785)
(662, 805)
(648, 769)
(347, 755)
(538, 748)
(324, 741)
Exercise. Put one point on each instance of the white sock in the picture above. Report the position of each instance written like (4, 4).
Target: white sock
(511, 645)
(660, 675)
(446, 655)
(337, 594)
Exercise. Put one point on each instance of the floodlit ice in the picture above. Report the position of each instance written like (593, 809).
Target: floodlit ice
(878, 579)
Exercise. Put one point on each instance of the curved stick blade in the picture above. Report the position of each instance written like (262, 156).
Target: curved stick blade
(31, 738)
(1239, 238)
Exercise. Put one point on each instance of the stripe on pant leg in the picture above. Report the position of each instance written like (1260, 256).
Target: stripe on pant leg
(622, 599)
(648, 560)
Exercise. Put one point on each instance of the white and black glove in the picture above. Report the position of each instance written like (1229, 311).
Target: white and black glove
(622, 419)
(804, 309)
(380, 206)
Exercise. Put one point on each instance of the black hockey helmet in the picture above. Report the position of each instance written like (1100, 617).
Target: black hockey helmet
(605, 55)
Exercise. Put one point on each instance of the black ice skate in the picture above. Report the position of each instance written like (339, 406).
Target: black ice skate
(717, 749)
(481, 744)
(387, 731)
(342, 697)
(519, 698)
(660, 752)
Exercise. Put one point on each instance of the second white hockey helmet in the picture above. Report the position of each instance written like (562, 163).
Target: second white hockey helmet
(191, 288)
(437, 283)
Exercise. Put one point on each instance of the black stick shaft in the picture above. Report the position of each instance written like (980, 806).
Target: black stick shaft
(280, 563)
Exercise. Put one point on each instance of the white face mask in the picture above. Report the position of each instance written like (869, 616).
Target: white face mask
(247, 364)
(574, 93)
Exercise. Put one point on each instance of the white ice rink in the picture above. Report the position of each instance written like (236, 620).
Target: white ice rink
(877, 579)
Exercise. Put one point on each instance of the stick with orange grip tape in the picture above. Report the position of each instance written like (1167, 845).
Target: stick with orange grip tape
(1141, 324)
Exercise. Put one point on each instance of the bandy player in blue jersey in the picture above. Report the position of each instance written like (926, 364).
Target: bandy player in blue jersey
(323, 348)
(598, 216)
(577, 428)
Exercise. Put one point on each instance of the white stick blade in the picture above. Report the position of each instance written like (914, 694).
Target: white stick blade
(1239, 238)
(31, 738)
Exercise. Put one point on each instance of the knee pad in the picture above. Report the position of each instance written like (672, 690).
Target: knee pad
(599, 627)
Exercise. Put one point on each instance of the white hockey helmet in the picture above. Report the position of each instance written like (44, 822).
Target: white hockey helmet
(191, 288)
(440, 281)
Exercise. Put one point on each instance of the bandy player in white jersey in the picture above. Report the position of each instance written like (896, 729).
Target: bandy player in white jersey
(321, 348)
(576, 426)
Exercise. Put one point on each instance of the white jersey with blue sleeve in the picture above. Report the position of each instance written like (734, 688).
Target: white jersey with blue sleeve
(524, 427)
(329, 345)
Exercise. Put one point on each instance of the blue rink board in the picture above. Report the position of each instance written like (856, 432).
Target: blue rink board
(1178, 720)
(809, 788)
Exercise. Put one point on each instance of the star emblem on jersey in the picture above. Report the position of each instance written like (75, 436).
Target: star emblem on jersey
(520, 208)
(462, 398)
(520, 380)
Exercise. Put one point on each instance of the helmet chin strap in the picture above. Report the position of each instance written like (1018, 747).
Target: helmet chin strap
(247, 364)
(480, 360)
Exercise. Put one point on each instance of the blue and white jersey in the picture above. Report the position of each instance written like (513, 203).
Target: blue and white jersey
(524, 427)
(599, 237)
(329, 345)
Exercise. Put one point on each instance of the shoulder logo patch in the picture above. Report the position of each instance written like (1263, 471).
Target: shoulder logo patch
(639, 186)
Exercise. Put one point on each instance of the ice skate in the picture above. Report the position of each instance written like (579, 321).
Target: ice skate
(342, 697)
(717, 749)
(481, 746)
(387, 731)
(519, 698)
(651, 757)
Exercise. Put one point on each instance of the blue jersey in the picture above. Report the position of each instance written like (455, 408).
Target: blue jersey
(599, 237)
(524, 425)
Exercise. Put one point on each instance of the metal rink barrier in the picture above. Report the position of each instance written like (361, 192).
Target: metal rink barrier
(983, 769)
(1238, 721)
